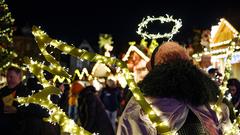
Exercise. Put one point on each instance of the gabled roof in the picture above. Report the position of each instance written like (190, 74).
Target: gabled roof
(138, 51)
(222, 34)
(86, 45)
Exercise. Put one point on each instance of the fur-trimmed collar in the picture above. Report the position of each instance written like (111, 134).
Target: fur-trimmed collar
(181, 80)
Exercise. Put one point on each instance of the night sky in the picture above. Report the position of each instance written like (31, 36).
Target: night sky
(73, 21)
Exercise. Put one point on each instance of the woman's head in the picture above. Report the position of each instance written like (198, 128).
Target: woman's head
(234, 87)
(168, 51)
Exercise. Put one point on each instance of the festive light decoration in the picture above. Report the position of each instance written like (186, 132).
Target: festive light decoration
(7, 57)
(152, 46)
(79, 74)
(143, 43)
(105, 40)
(216, 29)
(6, 24)
(60, 79)
(220, 43)
(143, 24)
(56, 114)
(227, 53)
(223, 88)
(134, 48)
(227, 72)
(37, 68)
(222, 20)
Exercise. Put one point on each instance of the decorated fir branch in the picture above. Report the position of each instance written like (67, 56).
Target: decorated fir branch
(43, 98)
(6, 24)
(44, 40)
(56, 114)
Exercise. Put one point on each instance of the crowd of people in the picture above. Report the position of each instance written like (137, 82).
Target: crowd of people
(175, 86)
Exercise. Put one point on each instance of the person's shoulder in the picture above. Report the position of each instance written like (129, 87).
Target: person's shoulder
(23, 90)
(3, 88)
(3, 91)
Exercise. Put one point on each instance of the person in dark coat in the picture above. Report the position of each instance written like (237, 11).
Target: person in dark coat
(92, 114)
(9, 111)
(16, 119)
(110, 97)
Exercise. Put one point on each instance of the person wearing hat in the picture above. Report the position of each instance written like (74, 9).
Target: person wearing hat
(179, 90)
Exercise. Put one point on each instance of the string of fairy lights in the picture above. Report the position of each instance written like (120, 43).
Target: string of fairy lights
(162, 19)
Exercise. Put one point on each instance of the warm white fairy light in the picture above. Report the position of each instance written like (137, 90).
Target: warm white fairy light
(56, 114)
(79, 74)
(61, 79)
(220, 43)
(162, 19)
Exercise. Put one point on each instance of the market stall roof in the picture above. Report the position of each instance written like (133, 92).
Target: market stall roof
(222, 33)
(138, 51)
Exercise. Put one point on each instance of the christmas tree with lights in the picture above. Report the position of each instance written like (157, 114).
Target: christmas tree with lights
(6, 24)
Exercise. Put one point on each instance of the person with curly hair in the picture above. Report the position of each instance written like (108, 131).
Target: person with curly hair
(179, 90)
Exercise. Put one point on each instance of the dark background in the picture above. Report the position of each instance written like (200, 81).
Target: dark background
(73, 21)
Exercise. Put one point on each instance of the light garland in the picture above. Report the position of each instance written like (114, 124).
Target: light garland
(79, 74)
(60, 79)
(37, 68)
(220, 43)
(56, 114)
(145, 34)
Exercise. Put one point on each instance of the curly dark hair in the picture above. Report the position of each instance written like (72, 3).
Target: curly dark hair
(182, 80)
